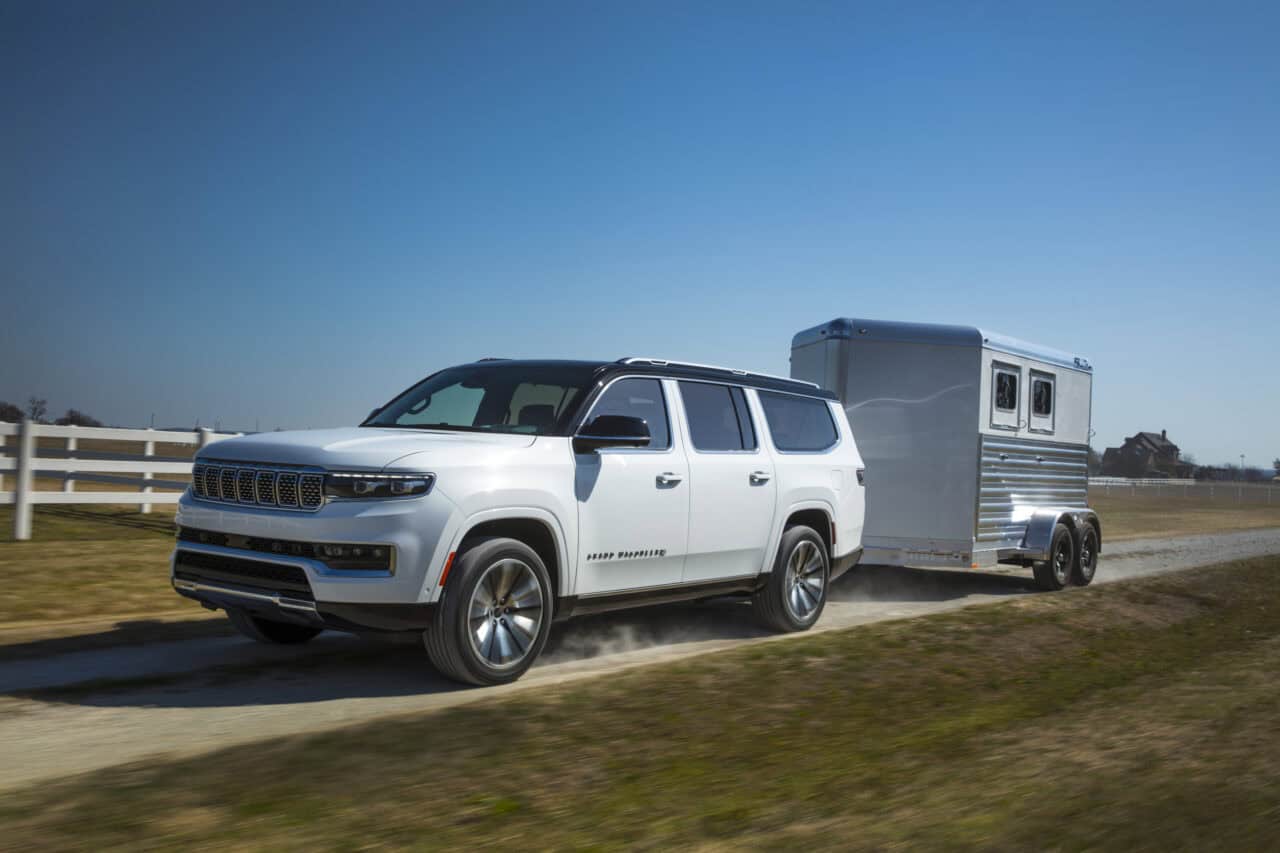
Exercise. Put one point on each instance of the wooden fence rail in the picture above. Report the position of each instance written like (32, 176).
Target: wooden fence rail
(26, 463)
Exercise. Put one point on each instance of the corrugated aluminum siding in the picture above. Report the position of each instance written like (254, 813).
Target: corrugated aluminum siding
(1017, 473)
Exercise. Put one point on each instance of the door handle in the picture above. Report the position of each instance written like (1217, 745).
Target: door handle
(669, 478)
(759, 478)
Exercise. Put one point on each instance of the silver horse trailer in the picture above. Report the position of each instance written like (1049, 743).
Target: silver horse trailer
(975, 445)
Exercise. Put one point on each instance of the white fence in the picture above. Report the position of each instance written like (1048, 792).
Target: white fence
(26, 464)
(1211, 491)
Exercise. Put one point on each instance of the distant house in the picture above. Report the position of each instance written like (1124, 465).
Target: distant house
(1147, 454)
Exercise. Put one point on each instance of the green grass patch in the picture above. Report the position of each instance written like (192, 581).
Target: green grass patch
(1139, 715)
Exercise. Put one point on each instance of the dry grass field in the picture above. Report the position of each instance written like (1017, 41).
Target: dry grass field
(1149, 517)
(1141, 715)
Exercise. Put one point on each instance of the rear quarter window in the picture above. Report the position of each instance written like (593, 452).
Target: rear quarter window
(798, 423)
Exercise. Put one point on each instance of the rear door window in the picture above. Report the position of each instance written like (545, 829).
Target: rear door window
(718, 417)
(798, 424)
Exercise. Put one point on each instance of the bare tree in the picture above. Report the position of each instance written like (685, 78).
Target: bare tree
(12, 414)
(1276, 465)
(37, 409)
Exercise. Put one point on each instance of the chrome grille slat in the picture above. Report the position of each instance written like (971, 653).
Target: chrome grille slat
(257, 484)
(264, 487)
(287, 489)
(227, 483)
(244, 486)
(311, 491)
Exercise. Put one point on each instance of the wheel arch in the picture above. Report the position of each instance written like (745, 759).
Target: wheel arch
(813, 513)
(1040, 526)
(537, 528)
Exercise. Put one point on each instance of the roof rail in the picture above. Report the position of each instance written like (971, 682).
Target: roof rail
(663, 362)
(491, 358)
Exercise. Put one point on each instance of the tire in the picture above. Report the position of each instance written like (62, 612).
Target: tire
(1086, 562)
(270, 631)
(1054, 573)
(494, 615)
(795, 592)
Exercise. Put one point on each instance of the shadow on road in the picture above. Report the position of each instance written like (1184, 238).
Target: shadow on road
(235, 672)
(893, 584)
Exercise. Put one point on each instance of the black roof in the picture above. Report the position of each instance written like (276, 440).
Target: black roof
(604, 370)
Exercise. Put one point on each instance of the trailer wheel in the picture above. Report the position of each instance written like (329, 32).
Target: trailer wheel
(1053, 573)
(269, 631)
(1086, 562)
(494, 616)
(795, 593)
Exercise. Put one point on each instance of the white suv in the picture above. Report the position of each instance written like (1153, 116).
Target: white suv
(492, 498)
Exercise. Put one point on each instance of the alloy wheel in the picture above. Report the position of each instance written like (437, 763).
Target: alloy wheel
(805, 580)
(506, 613)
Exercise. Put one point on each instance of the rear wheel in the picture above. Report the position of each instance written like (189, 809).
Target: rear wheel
(795, 594)
(1086, 562)
(1053, 573)
(270, 631)
(494, 615)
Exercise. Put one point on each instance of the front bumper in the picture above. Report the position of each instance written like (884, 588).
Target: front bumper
(283, 608)
(296, 588)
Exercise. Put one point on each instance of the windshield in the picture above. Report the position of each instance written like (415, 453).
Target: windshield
(511, 397)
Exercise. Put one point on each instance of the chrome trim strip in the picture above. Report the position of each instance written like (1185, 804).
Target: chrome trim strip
(280, 601)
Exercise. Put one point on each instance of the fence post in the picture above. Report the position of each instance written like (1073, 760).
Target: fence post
(148, 449)
(22, 488)
(206, 436)
(68, 479)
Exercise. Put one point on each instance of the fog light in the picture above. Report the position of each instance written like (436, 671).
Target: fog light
(356, 557)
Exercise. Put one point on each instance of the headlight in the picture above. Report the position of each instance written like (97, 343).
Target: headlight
(343, 485)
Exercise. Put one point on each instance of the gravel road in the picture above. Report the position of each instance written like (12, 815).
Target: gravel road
(185, 697)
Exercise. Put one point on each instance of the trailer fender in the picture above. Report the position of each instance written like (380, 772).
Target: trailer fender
(1039, 535)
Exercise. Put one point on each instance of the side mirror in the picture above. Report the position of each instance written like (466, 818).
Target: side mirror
(611, 431)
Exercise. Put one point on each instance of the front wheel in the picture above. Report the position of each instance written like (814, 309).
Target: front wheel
(795, 593)
(494, 615)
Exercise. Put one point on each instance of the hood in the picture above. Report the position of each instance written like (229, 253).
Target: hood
(358, 448)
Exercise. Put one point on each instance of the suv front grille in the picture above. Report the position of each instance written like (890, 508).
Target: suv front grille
(259, 485)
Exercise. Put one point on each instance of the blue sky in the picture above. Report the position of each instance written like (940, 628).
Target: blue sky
(284, 213)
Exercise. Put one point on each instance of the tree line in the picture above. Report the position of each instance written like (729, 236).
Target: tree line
(37, 410)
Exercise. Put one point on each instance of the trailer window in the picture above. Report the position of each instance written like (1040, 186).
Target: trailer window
(1042, 397)
(1006, 391)
(1043, 386)
(798, 424)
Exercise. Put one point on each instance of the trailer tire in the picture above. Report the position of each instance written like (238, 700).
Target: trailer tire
(494, 616)
(270, 631)
(1086, 562)
(795, 592)
(1054, 573)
